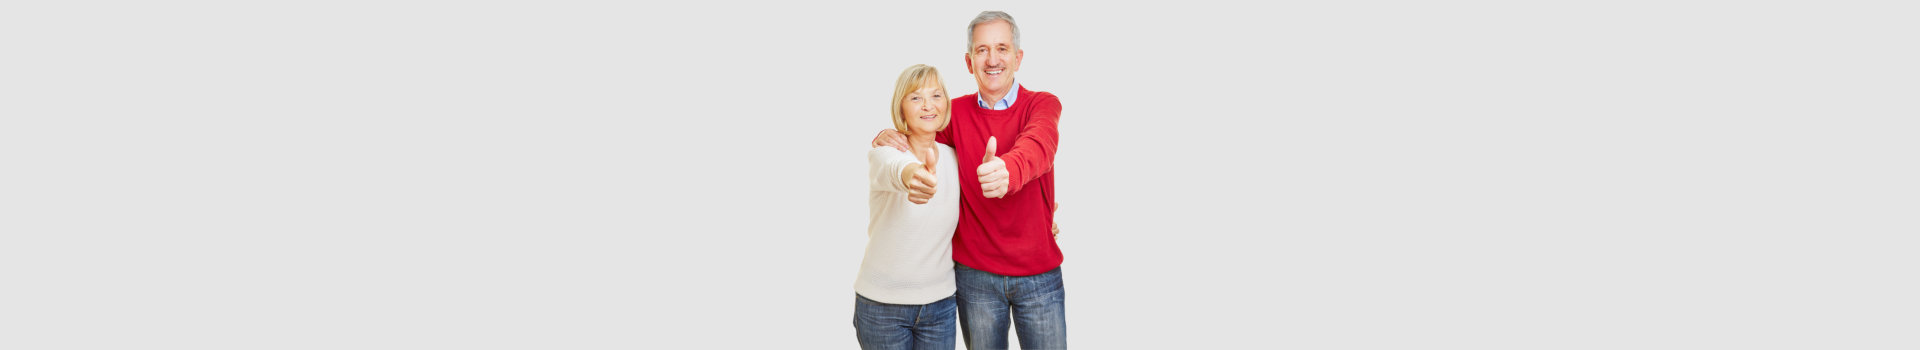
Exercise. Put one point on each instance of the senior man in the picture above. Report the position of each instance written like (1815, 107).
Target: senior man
(1007, 263)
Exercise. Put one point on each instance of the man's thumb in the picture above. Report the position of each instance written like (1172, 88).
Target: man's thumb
(990, 147)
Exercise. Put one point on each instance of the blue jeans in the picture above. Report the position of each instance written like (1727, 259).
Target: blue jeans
(882, 326)
(1035, 305)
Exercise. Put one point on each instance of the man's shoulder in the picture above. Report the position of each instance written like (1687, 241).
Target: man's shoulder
(1037, 95)
(974, 97)
(1039, 101)
(964, 104)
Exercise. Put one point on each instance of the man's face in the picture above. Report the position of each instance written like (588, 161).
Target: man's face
(993, 59)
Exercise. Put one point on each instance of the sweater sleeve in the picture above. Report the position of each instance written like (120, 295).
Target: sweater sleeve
(884, 165)
(1032, 151)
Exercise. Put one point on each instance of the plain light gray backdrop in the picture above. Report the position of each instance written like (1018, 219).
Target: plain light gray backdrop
(599, 175)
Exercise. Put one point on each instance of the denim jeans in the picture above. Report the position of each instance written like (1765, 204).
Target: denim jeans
(1036, 307)
(882, 326)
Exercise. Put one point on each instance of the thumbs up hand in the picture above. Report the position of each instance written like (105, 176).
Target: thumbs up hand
(932, 156)
(993, 173)
(921, 186)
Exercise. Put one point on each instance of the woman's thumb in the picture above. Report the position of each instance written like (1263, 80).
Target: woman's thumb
(932, 157)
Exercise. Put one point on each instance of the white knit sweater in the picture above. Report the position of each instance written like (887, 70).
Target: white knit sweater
(909, 257)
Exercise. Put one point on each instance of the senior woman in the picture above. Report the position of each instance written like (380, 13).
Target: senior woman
(904, 295)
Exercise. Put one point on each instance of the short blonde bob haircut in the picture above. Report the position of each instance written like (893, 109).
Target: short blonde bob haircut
(913, 79)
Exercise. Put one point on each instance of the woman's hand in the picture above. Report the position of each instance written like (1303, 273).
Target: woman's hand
(919, 180)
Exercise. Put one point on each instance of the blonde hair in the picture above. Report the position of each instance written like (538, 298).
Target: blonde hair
(913, 79)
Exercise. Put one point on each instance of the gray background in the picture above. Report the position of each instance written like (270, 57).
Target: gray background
(599, 175)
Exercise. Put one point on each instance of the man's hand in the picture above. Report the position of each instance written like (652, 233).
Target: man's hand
(891, 138)
(1056, 220)
(993, 173)
(920, 181)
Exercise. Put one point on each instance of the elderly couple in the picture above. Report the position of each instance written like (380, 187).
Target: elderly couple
(982, 247)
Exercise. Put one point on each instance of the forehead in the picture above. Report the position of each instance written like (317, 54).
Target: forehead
(993, 33)
(925, 85)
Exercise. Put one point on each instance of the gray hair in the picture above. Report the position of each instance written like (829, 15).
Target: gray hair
(989, 17)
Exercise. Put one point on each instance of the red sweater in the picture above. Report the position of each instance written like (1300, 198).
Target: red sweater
(1011, 235)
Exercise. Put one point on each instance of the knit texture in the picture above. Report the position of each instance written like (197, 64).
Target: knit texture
(909, 258)
(1012, 235)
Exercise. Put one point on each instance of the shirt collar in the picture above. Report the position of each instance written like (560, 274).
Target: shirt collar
(1004, 102)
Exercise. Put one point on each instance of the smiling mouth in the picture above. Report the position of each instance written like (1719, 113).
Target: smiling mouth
(995, 71)
(929, 117)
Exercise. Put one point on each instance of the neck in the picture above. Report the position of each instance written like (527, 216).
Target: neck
(993, 98)
(920, 141)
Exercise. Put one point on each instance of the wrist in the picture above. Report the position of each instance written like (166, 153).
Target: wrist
(906, 175)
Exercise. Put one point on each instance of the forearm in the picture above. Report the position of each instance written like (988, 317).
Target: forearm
(1033, 150)
(889, 169)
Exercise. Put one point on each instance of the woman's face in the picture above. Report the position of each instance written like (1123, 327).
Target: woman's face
(925, 109)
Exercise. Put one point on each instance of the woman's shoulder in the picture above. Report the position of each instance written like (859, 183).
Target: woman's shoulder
(885, 155)
(886, 151)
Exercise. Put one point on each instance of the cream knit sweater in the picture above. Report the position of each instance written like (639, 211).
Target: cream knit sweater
(909, 257)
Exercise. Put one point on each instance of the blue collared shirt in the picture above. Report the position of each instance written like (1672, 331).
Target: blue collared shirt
(1005, 102)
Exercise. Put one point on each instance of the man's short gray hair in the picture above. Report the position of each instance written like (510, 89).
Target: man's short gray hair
(989, 17)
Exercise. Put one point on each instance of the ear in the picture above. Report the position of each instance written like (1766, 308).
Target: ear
(1019, 54)
(969, 58)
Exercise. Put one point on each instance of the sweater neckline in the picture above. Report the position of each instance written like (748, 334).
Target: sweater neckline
(1020, 97)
